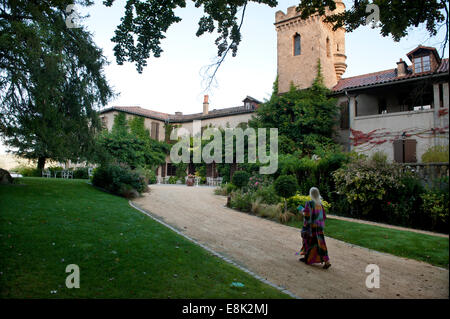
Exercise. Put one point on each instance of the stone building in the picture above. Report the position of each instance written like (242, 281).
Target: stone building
(402, 111)
(156, 123)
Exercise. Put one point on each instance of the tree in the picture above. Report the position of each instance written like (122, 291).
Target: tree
(144, 23)
(396, 17)
(285, 186)
(129, 143)
(305, 119)
(51, 82)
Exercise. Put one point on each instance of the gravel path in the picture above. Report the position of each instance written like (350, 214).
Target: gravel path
(268, 249)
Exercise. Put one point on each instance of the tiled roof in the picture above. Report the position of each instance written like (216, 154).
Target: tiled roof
(136, 110)
(174, 118)
(367, 80)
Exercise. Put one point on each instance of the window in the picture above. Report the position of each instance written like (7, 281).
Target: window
(422, 64)
(297, 44)
(104, 122)
(328, 48)
(171, 169)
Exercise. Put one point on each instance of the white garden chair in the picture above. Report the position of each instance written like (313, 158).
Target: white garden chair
(46, 173)
(67, 174)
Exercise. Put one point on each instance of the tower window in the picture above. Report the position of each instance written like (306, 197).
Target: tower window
(328, 48)
(297, 44)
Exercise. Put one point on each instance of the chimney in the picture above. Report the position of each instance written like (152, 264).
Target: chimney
(205, 105)
(402, 68)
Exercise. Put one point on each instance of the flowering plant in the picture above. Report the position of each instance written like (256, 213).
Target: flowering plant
(299, 199)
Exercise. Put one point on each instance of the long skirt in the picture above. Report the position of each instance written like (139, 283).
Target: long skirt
(315, 249)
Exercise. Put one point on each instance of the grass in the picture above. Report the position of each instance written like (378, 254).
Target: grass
(47, 224)
(428, 248)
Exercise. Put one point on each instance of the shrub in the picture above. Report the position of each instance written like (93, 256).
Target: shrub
(240, 179)
(81, 173)
(295, 201)
(285, 186)
(150, 176)
(366, 184)
(269, 211)
(241, 201)
(436, 154)
(173, 180)
(225, 189)
(119, 180)
(435, 208)
(379, 157)
(28, 171)
(267, 195)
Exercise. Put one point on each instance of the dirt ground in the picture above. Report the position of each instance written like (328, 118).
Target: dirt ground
(268, 249)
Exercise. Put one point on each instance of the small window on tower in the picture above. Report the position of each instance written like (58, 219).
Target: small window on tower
(297, 44)
(328, 47)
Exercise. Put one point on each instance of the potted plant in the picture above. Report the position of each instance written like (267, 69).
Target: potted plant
(190, 180)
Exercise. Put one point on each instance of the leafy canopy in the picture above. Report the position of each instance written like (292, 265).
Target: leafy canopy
(51, 82)
(129, 143)
(145, 22)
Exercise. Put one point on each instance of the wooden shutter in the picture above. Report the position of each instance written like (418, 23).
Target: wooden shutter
(345, 116)
(398, 151)
(410, 151)
(157, 131)
(153, 131)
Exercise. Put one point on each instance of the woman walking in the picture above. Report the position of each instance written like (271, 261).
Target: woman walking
(314, 247)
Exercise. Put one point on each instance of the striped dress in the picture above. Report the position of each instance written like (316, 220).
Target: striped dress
(314, 247)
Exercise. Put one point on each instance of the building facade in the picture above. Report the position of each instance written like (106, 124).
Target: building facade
(157, 122)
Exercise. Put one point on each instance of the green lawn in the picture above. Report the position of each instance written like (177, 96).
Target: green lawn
(46, 224)
(431, 249)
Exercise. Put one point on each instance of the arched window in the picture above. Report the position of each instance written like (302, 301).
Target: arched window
(297, 44)
(328, 48)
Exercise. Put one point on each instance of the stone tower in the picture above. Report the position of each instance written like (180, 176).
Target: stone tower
(300, 43)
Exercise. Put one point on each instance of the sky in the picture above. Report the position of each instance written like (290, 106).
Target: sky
(175, 81)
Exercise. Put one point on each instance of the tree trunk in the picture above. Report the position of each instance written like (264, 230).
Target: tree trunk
(41, 163)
